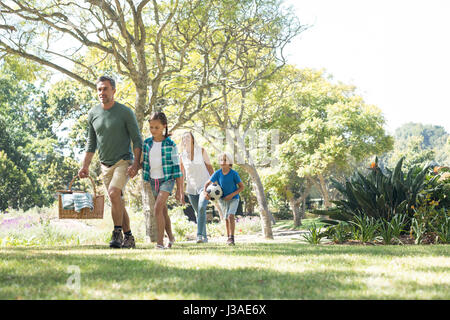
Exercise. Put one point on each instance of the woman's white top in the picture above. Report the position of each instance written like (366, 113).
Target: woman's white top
(155, 156)
(196, 172)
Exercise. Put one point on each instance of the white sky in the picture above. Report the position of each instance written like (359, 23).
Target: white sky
(396, 52)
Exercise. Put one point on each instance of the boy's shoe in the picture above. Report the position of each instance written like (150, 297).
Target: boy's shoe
(199, 239)
(128, 242)
(230, 241)
(116, 239)
(205, 240)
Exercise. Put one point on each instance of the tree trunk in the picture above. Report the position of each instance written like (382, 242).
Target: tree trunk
(323, 188)
(148, 200)
(294, 205)
(148, 207)
(266, 216)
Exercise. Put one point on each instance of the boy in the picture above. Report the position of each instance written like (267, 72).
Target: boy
(231, 185)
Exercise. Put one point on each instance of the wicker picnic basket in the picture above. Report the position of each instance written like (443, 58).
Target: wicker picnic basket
(85, 213)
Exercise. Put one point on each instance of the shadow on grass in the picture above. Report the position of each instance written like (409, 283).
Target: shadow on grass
(262, 249)
(42, 273)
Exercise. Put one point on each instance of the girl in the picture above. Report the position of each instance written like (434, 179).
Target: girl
(197, 169)
(161, 168)
(231, 185)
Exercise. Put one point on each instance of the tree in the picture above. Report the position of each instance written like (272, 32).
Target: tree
(419, 144)
(324, 127)
(29, 121)
(172, 52)
(412, 151)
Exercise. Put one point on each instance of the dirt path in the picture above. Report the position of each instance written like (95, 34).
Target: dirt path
(279, 235)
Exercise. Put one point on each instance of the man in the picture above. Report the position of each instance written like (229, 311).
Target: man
(112, 126)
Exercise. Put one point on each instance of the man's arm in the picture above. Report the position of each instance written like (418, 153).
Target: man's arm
(134, 168)
(84, 171)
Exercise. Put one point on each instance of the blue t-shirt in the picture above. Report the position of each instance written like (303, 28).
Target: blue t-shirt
(227, 182)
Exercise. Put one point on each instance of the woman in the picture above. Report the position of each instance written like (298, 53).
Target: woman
(197, 169)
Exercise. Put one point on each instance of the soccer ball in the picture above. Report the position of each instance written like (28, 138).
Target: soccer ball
(214, 191)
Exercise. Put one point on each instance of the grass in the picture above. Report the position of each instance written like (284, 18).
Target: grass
(38, 252)
(215, 271)
(306, 223)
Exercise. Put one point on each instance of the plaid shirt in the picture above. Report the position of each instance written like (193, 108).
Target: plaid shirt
(170, 159)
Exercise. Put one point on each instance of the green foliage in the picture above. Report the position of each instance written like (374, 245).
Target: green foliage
(418, 230)
(33, 162)
(430, 221)
(340, 232)
(314, 234)
(379, 195)
(391, 230)
(412, 151)
(420, 143)
(365, 228)
(433, 136)
(16, 189)
(431, 217)
(443, 230)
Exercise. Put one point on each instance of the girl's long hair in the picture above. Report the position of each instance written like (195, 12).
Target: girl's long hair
(160, 116)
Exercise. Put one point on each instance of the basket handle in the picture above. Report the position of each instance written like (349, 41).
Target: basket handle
(92, 181)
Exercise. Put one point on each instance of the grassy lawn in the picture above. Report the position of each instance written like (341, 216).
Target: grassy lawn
(289, 224)
(215, 271)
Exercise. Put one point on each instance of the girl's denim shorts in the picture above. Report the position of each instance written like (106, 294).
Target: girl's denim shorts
(161, 185)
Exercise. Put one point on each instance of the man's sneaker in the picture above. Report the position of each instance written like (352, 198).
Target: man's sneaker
(199, 239)
(230, 241)
(205, 240)
(116, 239)
(128, 242)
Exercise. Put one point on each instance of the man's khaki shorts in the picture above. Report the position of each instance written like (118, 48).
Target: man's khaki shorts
(116, 175)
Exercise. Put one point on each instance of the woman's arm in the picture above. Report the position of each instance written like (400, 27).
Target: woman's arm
(208, 164)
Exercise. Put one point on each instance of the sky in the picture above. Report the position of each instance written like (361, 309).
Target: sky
(396, 52)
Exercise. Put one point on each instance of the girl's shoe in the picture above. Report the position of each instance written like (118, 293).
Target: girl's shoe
(160, 247)
(170, 244)
(230, 241)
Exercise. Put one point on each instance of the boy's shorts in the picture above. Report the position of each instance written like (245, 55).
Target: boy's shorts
(229, 207)
(158, 185)
(116, 175)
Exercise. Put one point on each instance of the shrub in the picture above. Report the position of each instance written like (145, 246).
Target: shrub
(340, 232)
(314, 234)
(391, 230)
(366, 228)
(378, 195)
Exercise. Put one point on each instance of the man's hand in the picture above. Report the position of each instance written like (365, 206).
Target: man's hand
(133, 170)
(83, 172)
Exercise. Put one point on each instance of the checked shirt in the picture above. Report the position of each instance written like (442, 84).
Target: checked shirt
(170, 159)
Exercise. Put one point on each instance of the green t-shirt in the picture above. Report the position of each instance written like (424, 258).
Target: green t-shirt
(111, 132)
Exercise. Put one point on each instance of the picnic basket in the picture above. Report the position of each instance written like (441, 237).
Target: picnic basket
(85, 213)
